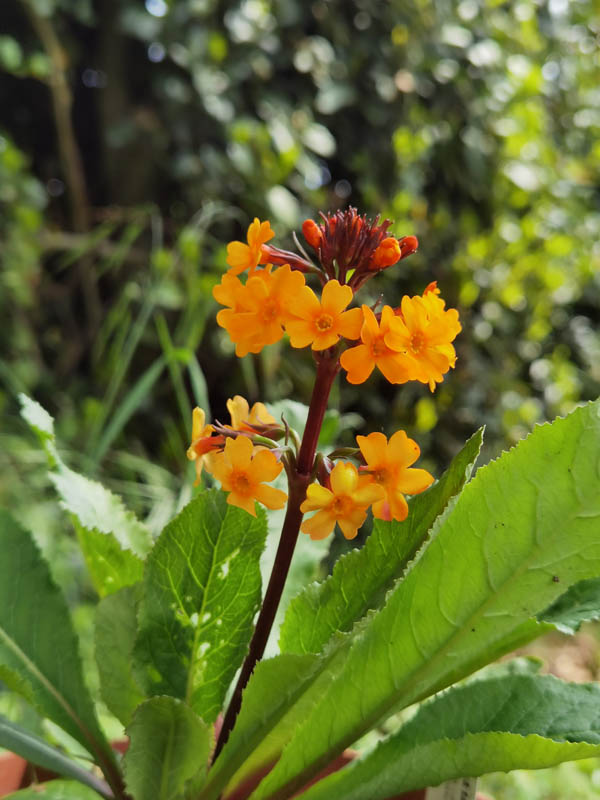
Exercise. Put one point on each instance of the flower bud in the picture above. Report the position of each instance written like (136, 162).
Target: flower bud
(312, 233)
(386, 254)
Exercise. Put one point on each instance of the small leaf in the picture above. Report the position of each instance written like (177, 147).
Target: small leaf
(515, 722)
(29, 746)
(54, 790)
(39, 654)
(200, 593)
(112, 539)
(168, 751)
(361, 579)
(580, 603)
(116, 625)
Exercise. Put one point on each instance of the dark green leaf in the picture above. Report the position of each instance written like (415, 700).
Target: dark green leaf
(514, 722)
(39, 654)
(579, 604)
(55, 790)
(201, 590)
(38, 752)
(168, 751)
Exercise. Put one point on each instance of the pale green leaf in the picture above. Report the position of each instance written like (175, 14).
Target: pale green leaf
(112, 539)
(201, 590)
(116, 626)
(168, 752)
(55, 790)
(36, 751)
(514, 722)
(579, 604)
(39, 653)
(361, 579)
(524, 529)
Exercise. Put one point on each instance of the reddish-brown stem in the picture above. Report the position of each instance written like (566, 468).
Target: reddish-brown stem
(298, 479)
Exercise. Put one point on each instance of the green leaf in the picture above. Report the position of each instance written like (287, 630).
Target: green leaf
(580, 603)
(116, 625)
(492, 563)
(55, 790)
(29, 746)
(39, 654)
(201, 590)
(361, 579)
(275, 685)
(514, 722)
(168, 752)
(112, 539)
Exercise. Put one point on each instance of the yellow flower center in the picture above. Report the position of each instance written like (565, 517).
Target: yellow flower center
(341, 506)
(378, 347)
(270, 311)
(324, 322)
(417, 342)
(241, 484)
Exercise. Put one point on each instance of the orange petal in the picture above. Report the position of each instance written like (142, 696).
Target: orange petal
(319, 526)
(358, 363)
(270, 497)
(414, 481)
(350, 323)
(335, 297)
(242, 501)
(344, 478)
(317, 496)
(373, 447)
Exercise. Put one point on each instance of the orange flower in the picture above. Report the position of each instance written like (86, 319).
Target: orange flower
(386, 254)
(242, 256)
(345, 503)
(243, 417)
(388, 465)
(258, 310)
(423, 330)
(203, 443)
(243, 470)
(374, 351)
(321, 324)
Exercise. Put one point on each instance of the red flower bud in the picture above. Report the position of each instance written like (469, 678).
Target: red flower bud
(312, 233)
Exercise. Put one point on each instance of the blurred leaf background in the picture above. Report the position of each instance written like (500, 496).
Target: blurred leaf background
(137, 138)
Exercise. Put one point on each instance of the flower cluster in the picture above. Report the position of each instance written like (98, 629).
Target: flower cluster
(265, 296)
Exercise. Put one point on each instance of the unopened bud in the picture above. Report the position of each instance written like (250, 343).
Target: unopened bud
(312, 234)
(386, 254)
(408, 245)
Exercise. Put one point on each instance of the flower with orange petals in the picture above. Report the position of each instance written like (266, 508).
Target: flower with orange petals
(360, 361)
(259, 309)
(244, 471)
(322, 323)
(203, 443)
(345, 503)
(241, 256)
(423, 330)
(388, 465)
(244, 418)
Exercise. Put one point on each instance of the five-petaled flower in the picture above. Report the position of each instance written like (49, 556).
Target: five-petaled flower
(345, 503)
(360, 361)
(244, 471)
(321, 323)
(241, 256)
(388, 465)
(423, 330)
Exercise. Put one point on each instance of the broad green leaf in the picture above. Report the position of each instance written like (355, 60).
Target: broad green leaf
(39, 654)
(200, 593)
(514, 722)
(112, 539)
(116, 625)
(168, 751)
(275, 685)
(525, 528)
(55, 790)
(578, 604)
(29, 746)
(361, 579)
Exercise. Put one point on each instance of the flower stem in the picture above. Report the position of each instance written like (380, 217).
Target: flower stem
(298, 479)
